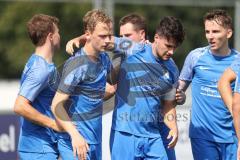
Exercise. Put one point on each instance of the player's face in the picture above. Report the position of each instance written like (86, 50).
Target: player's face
(101, 37)
(164, 48)
(128, 30)
(217, 36)
(56, 38)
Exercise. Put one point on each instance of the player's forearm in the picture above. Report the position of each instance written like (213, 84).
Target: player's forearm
(61, 114)
(29, 112)
(226, 94)
(169, 113)
(170, 119)
(224, 87)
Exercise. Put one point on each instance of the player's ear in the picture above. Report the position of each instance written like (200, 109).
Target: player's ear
(87, 34)
(50, 36)
(229, 33)
(142, 34)
(156, 36)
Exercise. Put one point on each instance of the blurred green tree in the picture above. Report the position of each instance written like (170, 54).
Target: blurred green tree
(15, 46)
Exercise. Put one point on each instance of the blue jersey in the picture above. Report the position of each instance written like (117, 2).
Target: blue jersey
(143, 82)
(235, 66)
(84, 80)
(35, 87)
(210, 118)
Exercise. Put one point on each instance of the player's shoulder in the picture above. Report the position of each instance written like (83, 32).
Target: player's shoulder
(172, 65)
(37, 68)
(235, 53)
(198, 51)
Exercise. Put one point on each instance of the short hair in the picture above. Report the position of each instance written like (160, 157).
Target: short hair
(171, 28)
(93, 17)
(139, 22)
(221, 17)
(39, 26)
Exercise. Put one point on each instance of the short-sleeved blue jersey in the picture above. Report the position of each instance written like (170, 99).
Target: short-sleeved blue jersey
(85, 80)
(210, 118)
(144, 81)
(36, 88)
(235, 67)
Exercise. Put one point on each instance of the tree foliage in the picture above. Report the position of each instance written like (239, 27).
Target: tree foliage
(15, 46)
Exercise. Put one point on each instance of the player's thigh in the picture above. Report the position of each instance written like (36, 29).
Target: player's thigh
(66, 151)
(122, 146)
(229, 151)
(155, 150)
(37, 156)
(205, 150)
(95, 152)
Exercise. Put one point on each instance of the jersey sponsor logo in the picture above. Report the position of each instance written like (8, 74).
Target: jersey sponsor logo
(207, 91)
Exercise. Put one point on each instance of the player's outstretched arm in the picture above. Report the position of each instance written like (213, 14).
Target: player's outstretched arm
(24, 108)
(59, 105)
(224, 87)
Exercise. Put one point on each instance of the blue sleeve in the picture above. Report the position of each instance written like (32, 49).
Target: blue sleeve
(235, 66)
(237, 84)
(187, 72)
(35, 79)
(72, 74)
(127, 46)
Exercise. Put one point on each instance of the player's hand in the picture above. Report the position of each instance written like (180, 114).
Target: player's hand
(180, 97)
(173, 134)
(75, 43)
(110, 46)
(145, 41)
(80, 146)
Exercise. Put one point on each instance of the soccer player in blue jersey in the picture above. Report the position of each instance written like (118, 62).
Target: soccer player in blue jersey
(211, 127)
(37, 139)
(83, 83)
(133, 26)
(145, 96)
(232, 100)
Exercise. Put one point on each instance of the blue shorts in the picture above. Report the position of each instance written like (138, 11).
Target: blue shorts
(44, 150)
(130, 147)
(66, 152)
(37, 156)
(207, 150)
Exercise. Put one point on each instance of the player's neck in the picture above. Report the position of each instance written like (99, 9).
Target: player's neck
(45, 52)
(91, 52)
(154, 50)
(222, 51)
